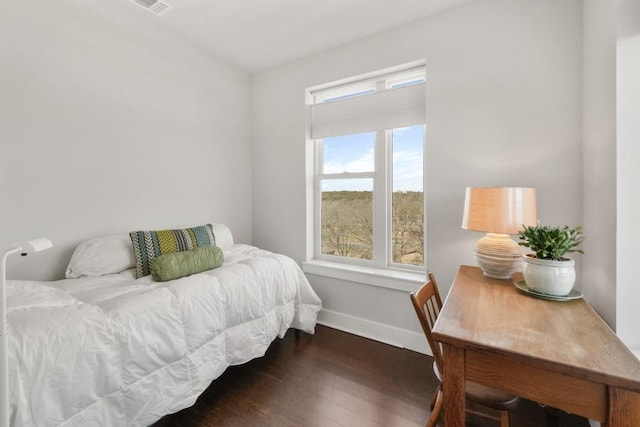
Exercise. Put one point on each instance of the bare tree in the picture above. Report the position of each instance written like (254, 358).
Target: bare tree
(408, 227)
(347, 225)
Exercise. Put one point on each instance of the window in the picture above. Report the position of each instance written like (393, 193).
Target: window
(367, 137)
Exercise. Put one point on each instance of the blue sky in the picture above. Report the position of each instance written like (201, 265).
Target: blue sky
(355, 153)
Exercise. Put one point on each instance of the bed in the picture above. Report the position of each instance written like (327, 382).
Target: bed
(113, 350)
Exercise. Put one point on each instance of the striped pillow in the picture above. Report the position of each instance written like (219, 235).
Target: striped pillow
(149, 244)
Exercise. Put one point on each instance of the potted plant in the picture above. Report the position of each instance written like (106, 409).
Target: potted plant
(547, 270)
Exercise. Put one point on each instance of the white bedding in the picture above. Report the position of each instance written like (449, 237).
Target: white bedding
(115, 351)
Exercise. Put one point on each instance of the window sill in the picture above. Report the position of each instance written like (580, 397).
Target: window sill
(390, 279)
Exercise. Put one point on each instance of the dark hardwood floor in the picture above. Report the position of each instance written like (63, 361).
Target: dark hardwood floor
(331, 378)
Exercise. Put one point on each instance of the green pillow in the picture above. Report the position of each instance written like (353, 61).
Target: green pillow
(149, 244)
(185, 263)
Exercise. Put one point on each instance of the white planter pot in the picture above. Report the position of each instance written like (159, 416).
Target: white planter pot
(548, 276)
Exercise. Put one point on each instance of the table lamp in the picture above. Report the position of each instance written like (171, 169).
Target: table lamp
(499, 212)
(24, 249)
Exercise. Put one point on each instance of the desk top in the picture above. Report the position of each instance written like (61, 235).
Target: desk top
(563, 336)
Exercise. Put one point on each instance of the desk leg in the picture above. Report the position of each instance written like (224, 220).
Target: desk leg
(453, 386)
(624, 408)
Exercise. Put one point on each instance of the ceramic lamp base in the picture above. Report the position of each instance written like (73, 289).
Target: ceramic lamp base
(498, 255)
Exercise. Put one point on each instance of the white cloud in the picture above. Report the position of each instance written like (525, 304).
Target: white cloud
(363, 163)
(407, 170)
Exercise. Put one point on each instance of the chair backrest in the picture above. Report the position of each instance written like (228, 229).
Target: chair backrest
(427, 303)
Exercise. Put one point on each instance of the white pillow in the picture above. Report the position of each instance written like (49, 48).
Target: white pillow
(114, 253)
(224, 238)
(101, 255)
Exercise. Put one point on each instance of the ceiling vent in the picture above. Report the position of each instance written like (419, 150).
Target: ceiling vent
(154, 6)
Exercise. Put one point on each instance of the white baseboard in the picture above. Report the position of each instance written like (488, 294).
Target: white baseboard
(376, 331)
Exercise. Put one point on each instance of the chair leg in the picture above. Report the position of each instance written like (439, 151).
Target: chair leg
(437, 409)
(504, 418)
(435, 395)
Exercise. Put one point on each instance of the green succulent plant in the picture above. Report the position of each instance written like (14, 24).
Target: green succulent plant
(551, 242)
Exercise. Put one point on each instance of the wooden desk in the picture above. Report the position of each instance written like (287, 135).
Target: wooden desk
(561, 354)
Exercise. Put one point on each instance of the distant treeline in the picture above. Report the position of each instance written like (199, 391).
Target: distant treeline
(349, 195)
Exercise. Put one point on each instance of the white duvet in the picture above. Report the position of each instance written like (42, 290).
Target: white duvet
(115, 351)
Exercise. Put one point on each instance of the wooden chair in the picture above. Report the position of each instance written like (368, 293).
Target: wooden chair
(427, 303)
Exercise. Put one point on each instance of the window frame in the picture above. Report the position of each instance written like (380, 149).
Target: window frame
(382, 204)
(382, 177)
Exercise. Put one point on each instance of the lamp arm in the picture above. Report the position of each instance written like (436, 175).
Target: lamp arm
(3, 290)
(4, 342)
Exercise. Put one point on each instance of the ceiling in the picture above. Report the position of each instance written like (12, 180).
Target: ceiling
(259, 34)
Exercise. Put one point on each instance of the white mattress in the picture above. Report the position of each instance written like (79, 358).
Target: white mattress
(115, 351)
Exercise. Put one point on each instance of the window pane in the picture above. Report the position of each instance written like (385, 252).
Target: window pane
(347, 218)
(349, 153)
(340, 97)
(408, 196)
(408, 79)
(345, 92)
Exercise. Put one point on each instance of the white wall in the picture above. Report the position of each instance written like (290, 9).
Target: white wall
(110, 126)
(599, 157)
(96, 110)
(628, 112)
(504, 93)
